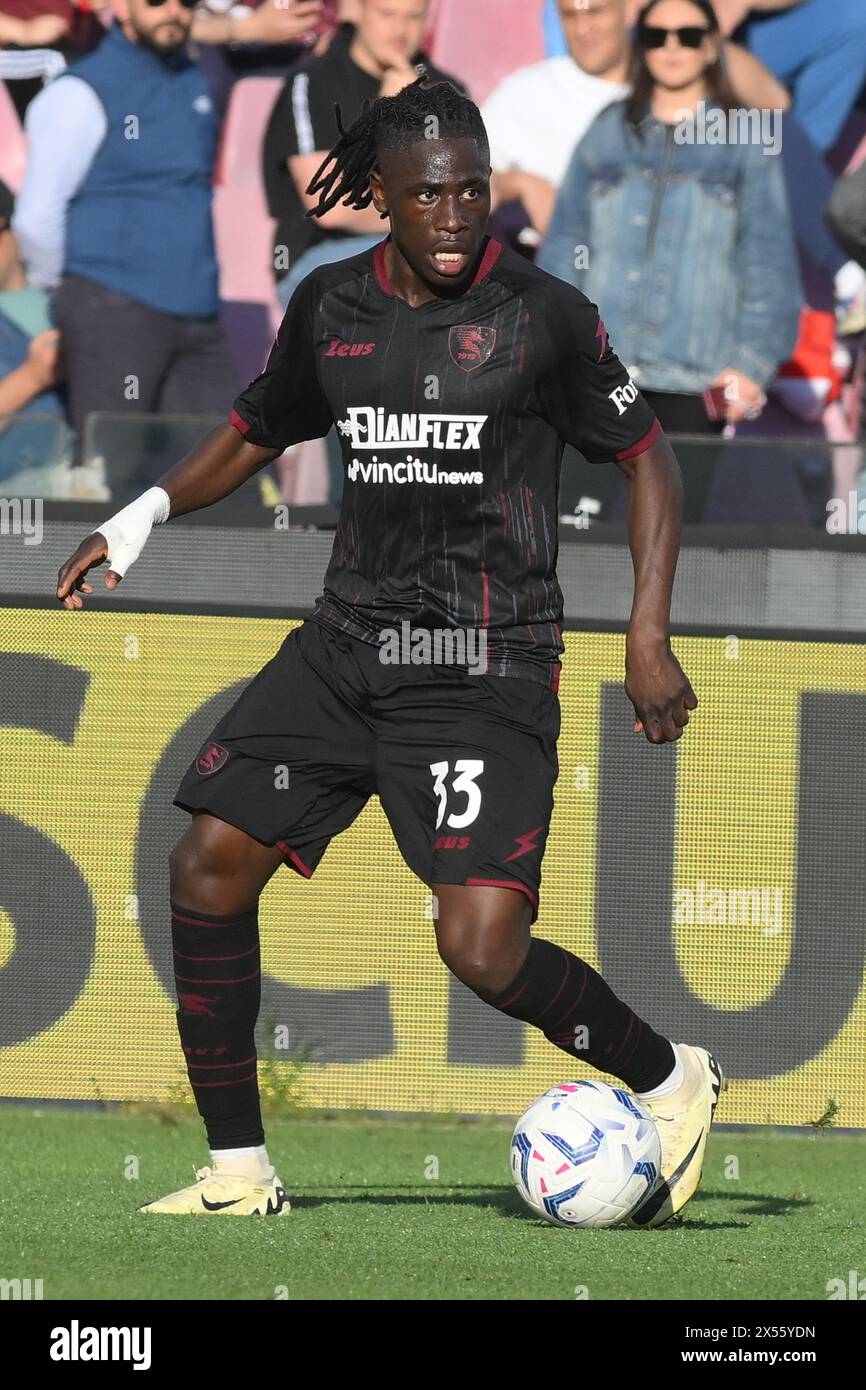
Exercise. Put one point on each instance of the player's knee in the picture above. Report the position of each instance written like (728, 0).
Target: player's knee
(201, 855)
(474, 958)
(182, 870)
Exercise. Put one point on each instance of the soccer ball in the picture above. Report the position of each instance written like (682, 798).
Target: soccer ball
(585, 1154)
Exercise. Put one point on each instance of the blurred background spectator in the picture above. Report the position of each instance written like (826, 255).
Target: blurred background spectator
(70, 30)
(685, 243)
(376, 57)
(119, 233)
(236, 39)
(537, 115)
(115, 216)
(30, 360)
(816, 47)
(847, 214)
(29, 24)
(782, 59)
(265, 39)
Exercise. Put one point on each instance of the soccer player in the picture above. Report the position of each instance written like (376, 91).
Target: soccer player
(454, 371)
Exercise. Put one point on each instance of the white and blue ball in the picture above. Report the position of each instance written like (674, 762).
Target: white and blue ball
(585, 1154)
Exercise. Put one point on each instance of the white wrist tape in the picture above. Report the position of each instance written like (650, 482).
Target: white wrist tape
(127, 531)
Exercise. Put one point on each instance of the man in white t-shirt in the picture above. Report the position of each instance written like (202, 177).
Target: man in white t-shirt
(537, 115)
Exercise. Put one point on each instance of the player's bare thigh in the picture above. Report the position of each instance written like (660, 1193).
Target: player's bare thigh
(218, 869)
(482, 934)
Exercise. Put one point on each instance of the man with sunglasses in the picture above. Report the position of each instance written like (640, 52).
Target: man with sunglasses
(115, 215)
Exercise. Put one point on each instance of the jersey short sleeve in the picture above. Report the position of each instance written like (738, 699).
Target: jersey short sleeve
(582, 388)
(285, 404)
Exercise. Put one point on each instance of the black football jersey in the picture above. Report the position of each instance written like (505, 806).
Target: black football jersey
(452, 419)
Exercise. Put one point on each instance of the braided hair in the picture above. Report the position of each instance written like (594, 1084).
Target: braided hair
(391, 123)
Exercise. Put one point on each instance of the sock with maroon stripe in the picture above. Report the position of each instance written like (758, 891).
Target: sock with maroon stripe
(217, 972)
(579, 1013)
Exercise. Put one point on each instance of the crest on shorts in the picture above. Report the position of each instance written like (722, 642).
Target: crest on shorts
(211, 759)
(471, 345)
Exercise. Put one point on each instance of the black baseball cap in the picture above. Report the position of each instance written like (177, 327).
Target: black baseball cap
(7, 205)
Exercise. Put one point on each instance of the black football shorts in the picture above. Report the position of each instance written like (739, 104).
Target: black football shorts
(464, 765)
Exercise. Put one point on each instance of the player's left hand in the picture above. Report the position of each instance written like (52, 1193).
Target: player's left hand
(659, 689)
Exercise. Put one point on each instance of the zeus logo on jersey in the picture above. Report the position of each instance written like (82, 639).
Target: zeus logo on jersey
(624, 396)
(340, 349)
(371, 428)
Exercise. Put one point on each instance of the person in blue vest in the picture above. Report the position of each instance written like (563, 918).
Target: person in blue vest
(114, 216)
(32, 429)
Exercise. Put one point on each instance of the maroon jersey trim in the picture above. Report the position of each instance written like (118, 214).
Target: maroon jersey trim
(381, 272)
(501, 883)
(642, 444)
(488, 261)
(295, 859)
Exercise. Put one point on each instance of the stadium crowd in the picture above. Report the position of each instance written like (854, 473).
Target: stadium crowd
(678, 161)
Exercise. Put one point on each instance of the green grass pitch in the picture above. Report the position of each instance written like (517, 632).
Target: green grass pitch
(372, 1220)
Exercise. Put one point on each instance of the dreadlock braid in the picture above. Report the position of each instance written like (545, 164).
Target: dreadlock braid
(390, 123)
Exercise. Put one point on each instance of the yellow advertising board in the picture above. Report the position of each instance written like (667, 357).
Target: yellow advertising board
(718, 884)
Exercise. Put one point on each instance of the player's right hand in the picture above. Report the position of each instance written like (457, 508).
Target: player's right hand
(93, 550)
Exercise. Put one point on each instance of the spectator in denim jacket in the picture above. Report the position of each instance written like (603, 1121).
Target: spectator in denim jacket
(689, 250)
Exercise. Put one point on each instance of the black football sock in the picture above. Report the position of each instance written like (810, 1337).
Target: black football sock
(217, 972)
(579, 1013)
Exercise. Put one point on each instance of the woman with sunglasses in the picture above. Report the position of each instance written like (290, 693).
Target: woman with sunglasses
(673, 218)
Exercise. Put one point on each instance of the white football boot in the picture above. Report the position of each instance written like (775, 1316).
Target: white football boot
(225, 1194)
(683, 1121)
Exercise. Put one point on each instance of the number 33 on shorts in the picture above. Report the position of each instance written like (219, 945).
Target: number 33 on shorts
(466, 770)
(504, 846)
